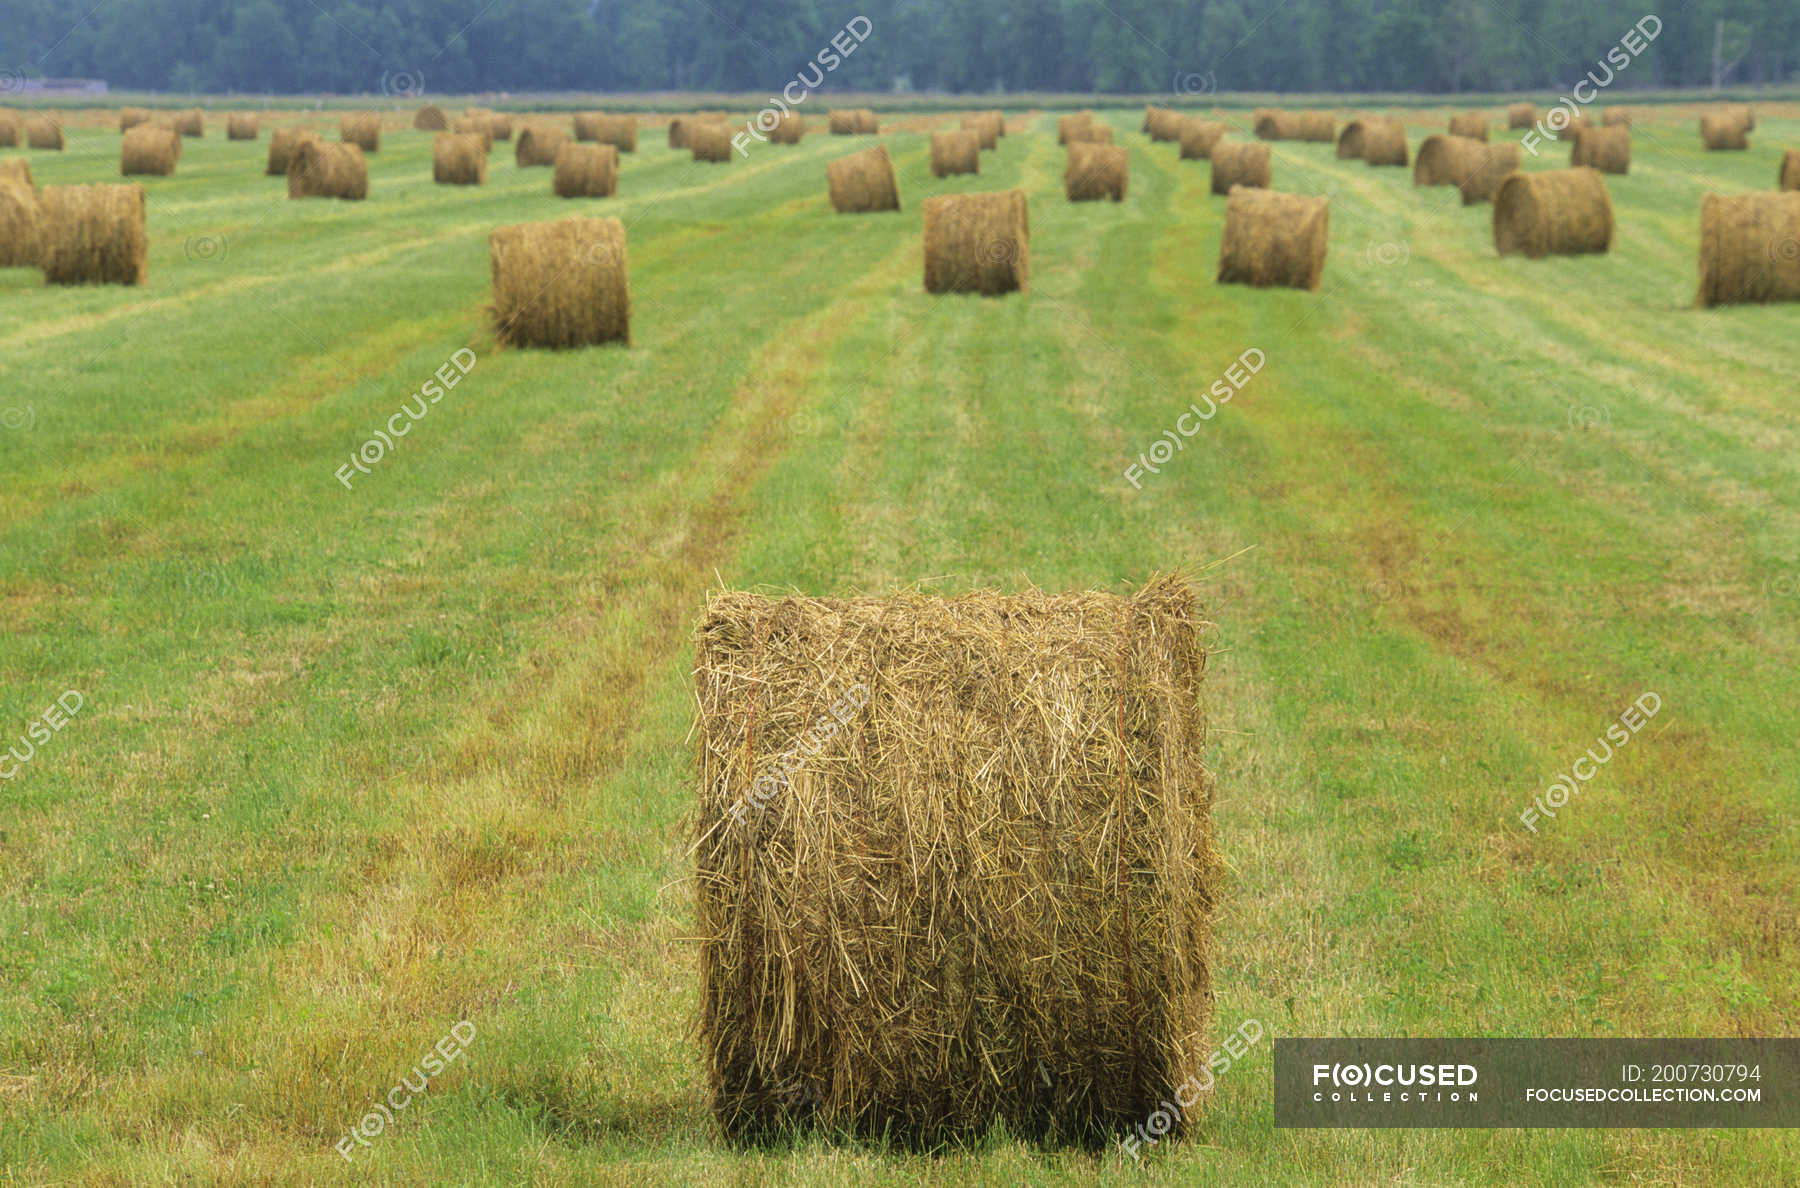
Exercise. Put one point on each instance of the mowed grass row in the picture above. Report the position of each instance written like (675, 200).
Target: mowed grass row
(355, 765)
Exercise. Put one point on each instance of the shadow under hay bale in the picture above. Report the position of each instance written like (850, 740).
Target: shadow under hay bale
(1197, 137)
(976, 881)
(44, 132)
(1274, 239)
(320, 169)
(362, 129)
(1789, 177)
(1447, 160)
(1271, 124)
(282, 143)
(710, 142)
(459, 159)
(431, 118)
(1239, 163)
(987, 129)
(586, 171)
(1521, 115)
(93, 235)
(955, 152)
(1470, 124)
(149, 149)
(863, 182)
(620, 131)
(242, 126)
(1491, 168)
(977, 243)
(537, 144)
(561, 284)
(190, 123)
(1096, 171)
(478, 126)
(1565, 212)
(1606, 149)
(1727, 129)
(21, 220)
(1068, 126)
(1374, 139)
(131, 117)
(1749, 248)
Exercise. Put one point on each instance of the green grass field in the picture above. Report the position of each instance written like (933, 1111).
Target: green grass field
(353, 766)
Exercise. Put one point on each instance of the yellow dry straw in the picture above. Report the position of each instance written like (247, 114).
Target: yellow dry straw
(1096, 171)
(955, 152)
(863, 182)
(319, 169)
(1560, 212)
(977, 243)
(151, 149)
(1607, 149)
(1749, 248)
(561, 284)
(983, 894)
(585, 171)
(1197, 137)
(1239, 163)
(93, 235)
(1272, 238)
(459, 159)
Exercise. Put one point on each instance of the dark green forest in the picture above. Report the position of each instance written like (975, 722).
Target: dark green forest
(1148, 46)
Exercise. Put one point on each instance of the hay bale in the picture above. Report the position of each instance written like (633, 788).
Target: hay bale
(678, 127)
(1273, 239)
(1091, 133)
(19, 170)
(1574, 128)
(863, 182)
(1096, 171)
(1616, 117)
(1447, 160)
(93, 235)
(586, 171)
(282, 143)
(987, 129)
(190, 123)
(242, 126)
(843, 121)
(362, 129)
(1749, 248)
(537, 143)
(999, 118)
(459, 159)
(1469, 124)
(1521, 115)
(501, 125)
(562, 283)
(595, 127)
(480, 127)
(977, 243)
(1607, 149)
(1163, 123)
(789, 128)
(131, 117)
(151, 149)
(1563, 212)
(1789, 177)
(976, 882)
(319, 169)
(1492, 165)
(21, 219)
(1070, 127)
(1375, 139)
(1197, 137)
(431, 118)
(955, 152)
(1270, 124)
(1239, 163)
(1726, 128)
(708, 141)
(12, 130)
(44, 132)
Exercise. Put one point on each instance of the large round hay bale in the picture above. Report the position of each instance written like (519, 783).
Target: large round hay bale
(320, 169)
(459, 159)
(586, 171)
(190, 123)
(866, 122)
(1563, 212)
(1069, 127)
(987, 129)
(620, 131)
(1271, 124)
(282, 143)
(1446, 160)
(1789, 177)
(537, 143)
(1749, 248)
(479, 126)
(44, 132)
(131, 117)
(999, 118)
(1726, 128)
(1616, 117)
(93, 235)
(955, 152)
(678, 126)
(242, 126)
(1197, 137)
(1470, 124)
(1375, 139)
(1491, 168)
(977, 243)
(362, 129)
(1570, 130)
(1096, 171)
(1239, 163)
(431, 118)
(21, 220)
(561, 284)
(954, 863)
(863, 182)
(1163, 123)
(1607, 149)
(844, 121)
(1521, 115)
(708, 141)
(1273, 239)
(500, 125)
(1093, 132)
(151, 149)
(12, 128)
(789, 128)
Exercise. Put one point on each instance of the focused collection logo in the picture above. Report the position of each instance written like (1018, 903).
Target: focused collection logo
(1390, 1083)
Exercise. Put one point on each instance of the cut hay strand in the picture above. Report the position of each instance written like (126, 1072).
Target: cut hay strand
(977, 243)
(1096, 171)
(979, 887)
(1749, 248)
(44, 132)
(1564, 212)
(1726, 129)
(93, 235)
(1616, 117)
(955, 152)
(1197, 138)
(190, 123)
(1491, 167)
(561, 284)
(987, 129)
(789, 128)
(1447, 160)
(1789, 177)
(459, 159)
(586, 171)
(1469, 124)
(21, 220)
(1320, 126)
(1273, 239)
(863, 182)
(710, 142)
(620, 131)
(150, 149)
(1606, 149)
(537, 144)
(479, 126)
(320, 169)
(362, 129)
(282, 143)
(242, 126)
(1069, 127)
(1374, 139)
(1521, 115)
(1239, 163)
(431, 118)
